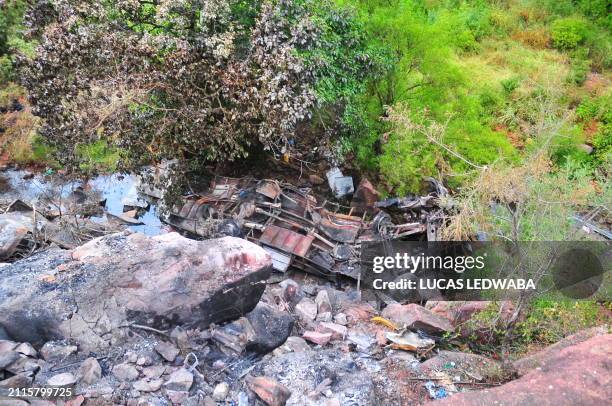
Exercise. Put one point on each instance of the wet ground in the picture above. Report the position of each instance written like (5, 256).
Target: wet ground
(51, 190)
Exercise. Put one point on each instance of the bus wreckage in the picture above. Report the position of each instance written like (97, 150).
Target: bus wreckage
(322, 238)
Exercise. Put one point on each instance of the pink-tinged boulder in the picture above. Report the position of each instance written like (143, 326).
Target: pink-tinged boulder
(580, 374)
(269, 390)
(93, 294)
(317, 338)
(526, 364)
(417, 317)
(356, 313)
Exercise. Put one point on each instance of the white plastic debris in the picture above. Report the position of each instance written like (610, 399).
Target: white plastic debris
(341, 185)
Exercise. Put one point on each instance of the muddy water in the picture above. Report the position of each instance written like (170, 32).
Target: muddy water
(45, 190)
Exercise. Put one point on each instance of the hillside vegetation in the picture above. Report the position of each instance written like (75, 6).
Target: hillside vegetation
(491, 74)
(475, 93)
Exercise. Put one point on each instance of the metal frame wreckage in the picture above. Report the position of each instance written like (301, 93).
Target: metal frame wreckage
(322, 238)
(319, 237)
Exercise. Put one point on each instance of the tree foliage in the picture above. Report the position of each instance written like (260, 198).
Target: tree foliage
(190, 80)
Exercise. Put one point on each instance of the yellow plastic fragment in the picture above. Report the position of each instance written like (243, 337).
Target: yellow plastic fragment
(384, 322)
(403, 347)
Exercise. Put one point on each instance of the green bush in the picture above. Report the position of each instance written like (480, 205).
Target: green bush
(595, 9)
(565, 147)
(568, 33)
(510, 85)
(96, 157)
(580, 68)
(599, 109)
(6, 68)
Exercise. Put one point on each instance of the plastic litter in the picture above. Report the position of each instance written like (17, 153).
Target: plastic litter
(434, 392)
(341, 185)
(409, 341)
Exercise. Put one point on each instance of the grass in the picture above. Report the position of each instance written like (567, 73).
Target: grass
(486, 66)
(548, 321)
(98, 157)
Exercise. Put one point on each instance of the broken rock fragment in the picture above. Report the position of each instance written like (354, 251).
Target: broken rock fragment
(324, 306)
(270, 327)
(125, 372)
(65, 379)
(7, 358)
(167, 351)
(17, 381)
(293, 344)
(180, 380)
(417, 317)
(57, 350)
(90, 371)
(220, 392)
(12, 231)
(123, 279)
(26, 349)
(306, 310)
(145, 385)
(317, 338)
(23, 365)
(269, 390)
(337, 331)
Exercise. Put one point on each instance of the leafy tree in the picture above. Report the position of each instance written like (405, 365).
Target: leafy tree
(191, 80)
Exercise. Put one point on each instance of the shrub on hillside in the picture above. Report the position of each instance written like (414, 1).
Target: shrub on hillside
(568, 33)
(190, 80)
(538, 38)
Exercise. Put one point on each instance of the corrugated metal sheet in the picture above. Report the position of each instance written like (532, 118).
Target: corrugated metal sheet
(286, 240)
(280, 261)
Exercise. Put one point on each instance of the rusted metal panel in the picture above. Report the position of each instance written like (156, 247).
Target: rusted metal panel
(223, 187)
(286, 240)
(339, 227)
(295, 202)
(269, 188)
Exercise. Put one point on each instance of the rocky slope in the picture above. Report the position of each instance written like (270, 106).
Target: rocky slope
(133, 320)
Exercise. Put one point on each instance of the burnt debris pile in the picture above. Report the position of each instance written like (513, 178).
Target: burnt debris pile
(298, 230)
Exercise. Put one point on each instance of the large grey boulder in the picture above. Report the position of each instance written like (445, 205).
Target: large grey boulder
(96, 293)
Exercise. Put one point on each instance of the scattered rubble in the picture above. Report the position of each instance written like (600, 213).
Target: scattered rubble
(417, 317)
(130, 319)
